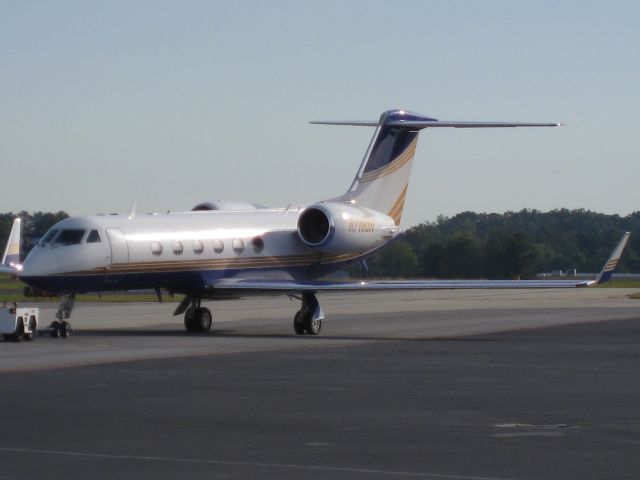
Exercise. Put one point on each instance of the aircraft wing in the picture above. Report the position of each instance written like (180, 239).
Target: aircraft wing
(293, 286)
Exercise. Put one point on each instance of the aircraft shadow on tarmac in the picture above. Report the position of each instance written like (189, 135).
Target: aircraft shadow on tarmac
(155, 333)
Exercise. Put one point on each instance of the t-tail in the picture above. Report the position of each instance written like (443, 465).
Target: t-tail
(382, 180)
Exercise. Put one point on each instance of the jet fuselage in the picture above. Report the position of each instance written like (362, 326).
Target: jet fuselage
(185, 252)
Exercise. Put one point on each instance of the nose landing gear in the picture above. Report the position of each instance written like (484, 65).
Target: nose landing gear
(61, 327)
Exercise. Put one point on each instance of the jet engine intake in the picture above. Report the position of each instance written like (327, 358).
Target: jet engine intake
(337, 228)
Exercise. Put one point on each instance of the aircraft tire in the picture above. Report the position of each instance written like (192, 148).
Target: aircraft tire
(313, 327)
(189, 321)
(298, 323)
(65, 329)
(55, 329)
(202, 320)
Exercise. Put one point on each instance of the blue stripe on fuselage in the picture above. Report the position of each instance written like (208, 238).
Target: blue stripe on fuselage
(194, 282)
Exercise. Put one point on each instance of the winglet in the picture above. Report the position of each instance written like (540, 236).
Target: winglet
(612, 262)
(11, 258)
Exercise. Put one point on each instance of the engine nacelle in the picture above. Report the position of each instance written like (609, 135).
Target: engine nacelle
(337, 228)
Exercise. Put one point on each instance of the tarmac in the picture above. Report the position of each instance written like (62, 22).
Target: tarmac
(443, 385)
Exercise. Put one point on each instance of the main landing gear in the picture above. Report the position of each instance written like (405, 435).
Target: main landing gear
(197, 319)
(308, 320)
(61, 327)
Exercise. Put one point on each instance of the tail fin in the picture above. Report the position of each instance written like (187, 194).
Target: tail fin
(11, 258)
(383, 177)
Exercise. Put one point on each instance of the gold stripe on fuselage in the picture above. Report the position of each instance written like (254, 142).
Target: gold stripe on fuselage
(218, 264)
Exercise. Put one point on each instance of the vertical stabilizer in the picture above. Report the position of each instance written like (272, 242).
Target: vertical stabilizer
(383, 177)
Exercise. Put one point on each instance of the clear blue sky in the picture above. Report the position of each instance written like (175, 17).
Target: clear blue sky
(174, 103)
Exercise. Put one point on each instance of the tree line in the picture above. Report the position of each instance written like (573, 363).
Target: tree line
(509, 245)
(472, 245)
(34, 225)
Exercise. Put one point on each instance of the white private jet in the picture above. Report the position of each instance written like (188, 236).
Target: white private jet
(222, 250)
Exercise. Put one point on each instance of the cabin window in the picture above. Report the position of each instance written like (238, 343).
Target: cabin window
(218, 246)
(156, 248)
(69, 237)
(177, 247)
(93, 237)
(49, 235)
(198, 247)
(258, 244)
(238, 245)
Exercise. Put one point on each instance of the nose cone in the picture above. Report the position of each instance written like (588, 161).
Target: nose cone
(40, 261)
(40, 270)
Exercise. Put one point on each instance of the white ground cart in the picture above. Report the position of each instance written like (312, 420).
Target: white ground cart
(17, 324)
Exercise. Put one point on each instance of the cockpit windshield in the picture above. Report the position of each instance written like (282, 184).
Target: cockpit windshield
(49, 236)
(93, 237)
(69, 237)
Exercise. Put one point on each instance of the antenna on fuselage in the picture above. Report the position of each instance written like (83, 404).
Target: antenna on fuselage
(132, 213)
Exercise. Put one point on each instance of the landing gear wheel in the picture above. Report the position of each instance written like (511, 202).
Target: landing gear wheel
(55, 329)
(198, 320)
(298, 323)
(303, 323)
(313, 326)
(65, 329)
(202, 320)
(189, 322)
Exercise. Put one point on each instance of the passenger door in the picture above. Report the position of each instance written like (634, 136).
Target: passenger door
(119, 253)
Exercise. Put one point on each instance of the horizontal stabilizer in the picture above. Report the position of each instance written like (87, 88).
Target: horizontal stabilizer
(354, 123)
(445, 124)
(427, 122)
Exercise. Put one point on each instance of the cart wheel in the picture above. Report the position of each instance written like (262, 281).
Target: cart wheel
(19, 331)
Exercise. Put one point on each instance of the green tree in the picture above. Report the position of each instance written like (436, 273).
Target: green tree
(397, 260)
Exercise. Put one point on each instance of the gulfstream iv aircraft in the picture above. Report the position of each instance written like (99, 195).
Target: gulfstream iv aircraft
(223, 250)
